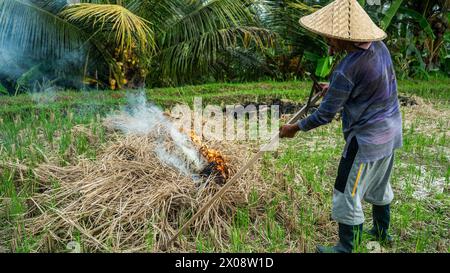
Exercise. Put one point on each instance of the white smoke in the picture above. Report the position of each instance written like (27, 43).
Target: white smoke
(171, 159)
(143, 118)
(44, 92)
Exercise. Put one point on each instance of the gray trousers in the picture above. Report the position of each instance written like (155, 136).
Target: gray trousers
(359, 181)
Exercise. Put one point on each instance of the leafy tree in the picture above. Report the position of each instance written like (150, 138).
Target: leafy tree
(416, 34)
(194, 36)
(296, 49)
(123, 42)
(48, 39)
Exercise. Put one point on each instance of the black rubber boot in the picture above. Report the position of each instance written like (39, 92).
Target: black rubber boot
(348, 236)
(381, 219)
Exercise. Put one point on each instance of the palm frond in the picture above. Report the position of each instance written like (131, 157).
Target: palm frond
(29, 26)
(302, 6)
(198, 53)
(247, 63)
(198, 31)
(159, 12)
(201, 17)
(282, 16)
(127, 28)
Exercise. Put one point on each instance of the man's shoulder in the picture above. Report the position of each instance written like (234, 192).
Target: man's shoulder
(380, 46)
(364, 64)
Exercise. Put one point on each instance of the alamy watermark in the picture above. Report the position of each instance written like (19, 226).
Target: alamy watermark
(73, 247)
(373, 2)
(230, 122)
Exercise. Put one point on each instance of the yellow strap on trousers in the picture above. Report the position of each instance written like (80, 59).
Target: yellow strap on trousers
(357, 179)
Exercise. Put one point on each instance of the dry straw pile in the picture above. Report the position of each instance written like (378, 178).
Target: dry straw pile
(127, 200)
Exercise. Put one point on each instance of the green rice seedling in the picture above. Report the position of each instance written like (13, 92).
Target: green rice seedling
(150, 237)
(203, 244)
(25, 243)
(274, 233)
(239, 230)
(14, 207)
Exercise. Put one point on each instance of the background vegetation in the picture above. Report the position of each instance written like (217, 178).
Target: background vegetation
(126, 44)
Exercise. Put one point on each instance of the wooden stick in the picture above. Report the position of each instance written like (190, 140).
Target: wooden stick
(241, 171)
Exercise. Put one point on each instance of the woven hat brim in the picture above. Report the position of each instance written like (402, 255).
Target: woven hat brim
(311, 29)
(345, 20)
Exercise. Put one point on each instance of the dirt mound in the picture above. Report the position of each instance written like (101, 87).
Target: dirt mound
(408, 101)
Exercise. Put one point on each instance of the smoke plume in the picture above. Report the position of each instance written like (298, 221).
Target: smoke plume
(173, 148)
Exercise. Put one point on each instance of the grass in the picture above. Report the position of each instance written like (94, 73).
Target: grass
(302, 171)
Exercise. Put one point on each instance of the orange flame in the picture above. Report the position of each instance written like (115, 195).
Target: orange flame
(213, 156)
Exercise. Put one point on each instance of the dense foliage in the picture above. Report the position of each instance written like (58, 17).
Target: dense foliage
(131, 43)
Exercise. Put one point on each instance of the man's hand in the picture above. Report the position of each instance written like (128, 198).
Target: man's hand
(325, 87)
(288, 131)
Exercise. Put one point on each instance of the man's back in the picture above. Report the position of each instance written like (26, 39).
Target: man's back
(364, 84)
(372, 112)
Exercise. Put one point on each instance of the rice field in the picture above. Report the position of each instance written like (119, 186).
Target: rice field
(65, 127)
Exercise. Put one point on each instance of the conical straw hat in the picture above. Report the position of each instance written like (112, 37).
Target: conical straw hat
(345, 20)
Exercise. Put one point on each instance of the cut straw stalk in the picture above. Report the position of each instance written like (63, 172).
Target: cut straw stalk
(114, 200)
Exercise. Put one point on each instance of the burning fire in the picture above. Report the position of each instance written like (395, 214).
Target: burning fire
(215, 159)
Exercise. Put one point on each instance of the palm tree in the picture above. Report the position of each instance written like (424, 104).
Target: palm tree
(295, 46)
(120, 34)
(20, 48)
(192, 36)
(54, 39)
(120, 42)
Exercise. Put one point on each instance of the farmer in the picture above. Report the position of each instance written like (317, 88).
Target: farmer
(363, 86)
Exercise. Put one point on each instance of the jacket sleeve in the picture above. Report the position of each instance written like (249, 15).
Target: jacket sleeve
(338, 93)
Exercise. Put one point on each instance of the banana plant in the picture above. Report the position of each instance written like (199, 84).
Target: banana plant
(324, 66)
(390, 13)
(420, 19)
